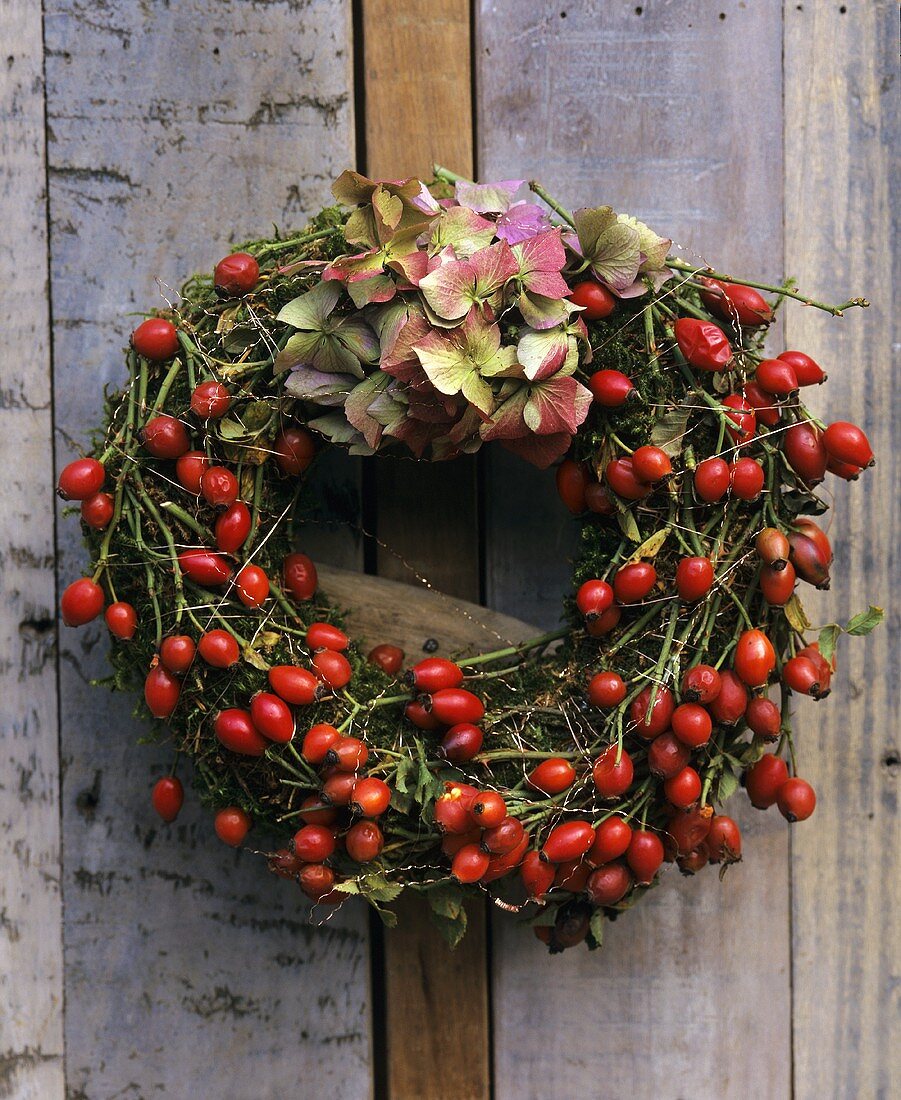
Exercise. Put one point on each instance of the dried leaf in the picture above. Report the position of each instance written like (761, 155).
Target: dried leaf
(251, 656)
(627, 523)
(669, 431)
(794, 612)
(651, 547)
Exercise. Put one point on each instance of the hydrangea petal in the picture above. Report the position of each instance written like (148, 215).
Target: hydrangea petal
(310, 310)
(541, 450)
(487, 198)
(522, 221)
(542, 353)
(559, 404)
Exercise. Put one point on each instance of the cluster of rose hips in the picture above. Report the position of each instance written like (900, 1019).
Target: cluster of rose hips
(480, 838)
(737, 695)
(215, 486)
(443, 706)
(342, 816)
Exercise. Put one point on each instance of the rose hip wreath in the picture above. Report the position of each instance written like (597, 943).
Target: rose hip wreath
(426, 320)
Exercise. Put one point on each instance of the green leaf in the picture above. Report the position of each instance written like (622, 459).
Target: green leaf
(404, 770)
(669, 431)
(751, 753)
(375, 887)
(795, 613)
(428, 786)
(827, 640)
(546, 917)
(227, 428)
(627, 523)
(727, 785)
(448, 911)
(865, 621)
(801, 504)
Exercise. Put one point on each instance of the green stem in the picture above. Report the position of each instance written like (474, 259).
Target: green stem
(783, 290)
(142, 387)
(536, 188)
(635, 628)
(510, 651)
(255, 508)
(442, 173)
(294, 242)
(665, 650)
(282, 600)
(707, 625)
(506, 754)
(163, 391)
(186, 518)
(649, 334)
(170, 542)
(386, 701)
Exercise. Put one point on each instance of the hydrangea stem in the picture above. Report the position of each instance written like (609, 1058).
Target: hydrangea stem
(536, 188)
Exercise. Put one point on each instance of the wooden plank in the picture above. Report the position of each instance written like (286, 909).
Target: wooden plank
(381, 610)
(417, 90)
(644, 107)
(841, 139)
(31, 965)
(176, 129)
(418, 95)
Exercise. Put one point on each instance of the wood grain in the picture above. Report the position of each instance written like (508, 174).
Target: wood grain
(644, 107)
(176, 129)
(841, 140)
(418, 110)
(418, 87)
(418, 96)
(406, 615)
(31, 963)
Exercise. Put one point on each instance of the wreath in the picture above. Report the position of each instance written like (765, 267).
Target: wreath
(557, 775)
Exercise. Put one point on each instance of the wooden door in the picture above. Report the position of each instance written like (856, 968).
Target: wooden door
(136, 141)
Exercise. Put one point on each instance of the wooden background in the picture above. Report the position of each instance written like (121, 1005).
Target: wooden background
(136, 141)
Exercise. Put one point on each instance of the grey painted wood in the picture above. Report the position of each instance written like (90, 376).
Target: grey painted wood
(646, 107)
(31, 978)
(841, 140)
(175, 129)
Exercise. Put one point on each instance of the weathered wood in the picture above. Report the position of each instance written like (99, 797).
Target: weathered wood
(174, 130)
(31, 964)
(419, 964)
(645, 107)
(381, 610)
(841, 136)
(418, 86)
(418, 96)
